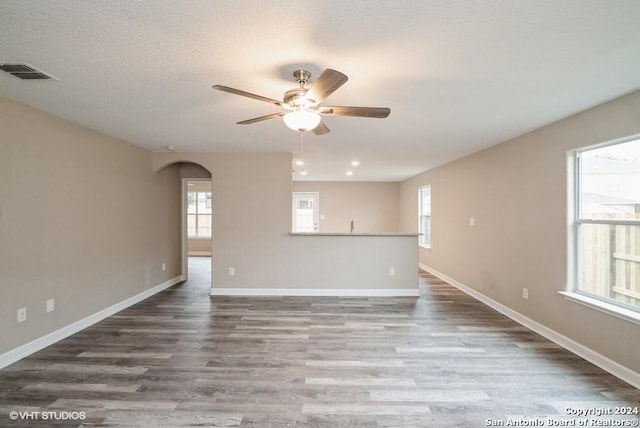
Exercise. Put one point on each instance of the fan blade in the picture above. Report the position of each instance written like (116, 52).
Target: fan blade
(246, 94)
(261, 118)
(321, 129)
(326, 84)
(376, 112)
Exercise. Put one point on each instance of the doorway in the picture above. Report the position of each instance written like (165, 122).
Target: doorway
(197, 228)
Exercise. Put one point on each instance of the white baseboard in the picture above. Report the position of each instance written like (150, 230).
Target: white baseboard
(40, 343)
(616, 369)
(327, 292)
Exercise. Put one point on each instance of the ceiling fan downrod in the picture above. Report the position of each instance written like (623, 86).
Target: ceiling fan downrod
(295, 97)
(302, 77)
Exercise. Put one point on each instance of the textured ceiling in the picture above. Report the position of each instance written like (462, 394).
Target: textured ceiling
(458, 76)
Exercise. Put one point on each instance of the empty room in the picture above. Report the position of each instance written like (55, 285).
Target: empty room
(319, 214)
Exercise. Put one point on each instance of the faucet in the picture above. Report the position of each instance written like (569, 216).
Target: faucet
(352, 227)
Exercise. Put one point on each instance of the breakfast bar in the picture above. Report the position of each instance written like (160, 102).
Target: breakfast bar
(358, 263)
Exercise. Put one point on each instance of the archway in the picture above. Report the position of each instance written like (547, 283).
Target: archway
(196, 193)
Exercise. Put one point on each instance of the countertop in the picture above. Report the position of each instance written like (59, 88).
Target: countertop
(354, 234)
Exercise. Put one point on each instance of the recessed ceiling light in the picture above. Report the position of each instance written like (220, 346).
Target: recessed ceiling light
(355, 163)
(349, 172)
(303, 172)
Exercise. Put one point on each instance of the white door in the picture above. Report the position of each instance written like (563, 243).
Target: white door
(305, 212)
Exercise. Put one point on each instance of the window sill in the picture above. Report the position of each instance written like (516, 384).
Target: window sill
(608, 308)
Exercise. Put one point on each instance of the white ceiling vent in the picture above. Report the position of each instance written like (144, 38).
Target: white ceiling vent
(25, 71)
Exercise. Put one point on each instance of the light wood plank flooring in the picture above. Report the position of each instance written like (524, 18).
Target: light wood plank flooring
(182, 358)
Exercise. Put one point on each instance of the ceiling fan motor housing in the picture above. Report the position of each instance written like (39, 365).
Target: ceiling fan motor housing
(295, 98)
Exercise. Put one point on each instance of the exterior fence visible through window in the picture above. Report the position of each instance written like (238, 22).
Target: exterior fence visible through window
(608, 223)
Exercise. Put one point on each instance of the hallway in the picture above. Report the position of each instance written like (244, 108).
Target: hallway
(200, 274)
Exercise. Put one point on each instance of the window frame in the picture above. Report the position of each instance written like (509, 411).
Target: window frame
(574, 291)
(423, 237)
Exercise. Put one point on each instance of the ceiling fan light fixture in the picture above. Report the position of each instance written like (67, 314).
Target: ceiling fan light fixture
(301, 107)
(301, 120)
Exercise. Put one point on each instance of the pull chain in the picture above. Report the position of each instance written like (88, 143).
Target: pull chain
(302, 170)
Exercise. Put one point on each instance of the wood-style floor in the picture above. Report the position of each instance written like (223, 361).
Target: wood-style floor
(182, 358)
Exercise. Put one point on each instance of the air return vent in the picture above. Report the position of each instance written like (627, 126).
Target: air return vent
(25, 71)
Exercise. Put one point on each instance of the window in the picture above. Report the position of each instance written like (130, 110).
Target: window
(199, 214)
(607, 218)
(424, 216)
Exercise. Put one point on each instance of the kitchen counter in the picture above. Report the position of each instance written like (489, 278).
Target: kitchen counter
(354, 234)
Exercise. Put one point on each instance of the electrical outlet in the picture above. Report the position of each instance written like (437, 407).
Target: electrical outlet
(232, 271)
(22, 314)
(392, 271)
(164, 267)
(51, 305)
(525, 293)
(472, 221)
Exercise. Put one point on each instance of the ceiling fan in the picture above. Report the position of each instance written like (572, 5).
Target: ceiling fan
(301, 109)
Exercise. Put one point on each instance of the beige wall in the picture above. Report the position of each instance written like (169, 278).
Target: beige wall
(517, 192)
(251, 214)
(94, 235)
(352, 262)
(191, 170)
(252, 222)
(199, 247)
(373, 206)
